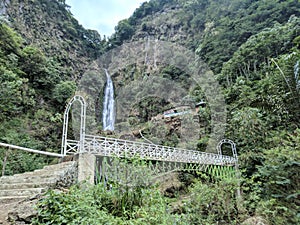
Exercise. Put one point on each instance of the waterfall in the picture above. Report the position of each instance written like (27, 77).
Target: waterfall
(108, 114)
(296, 73)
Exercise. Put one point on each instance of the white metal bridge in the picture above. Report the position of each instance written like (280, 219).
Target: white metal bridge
(110, 147)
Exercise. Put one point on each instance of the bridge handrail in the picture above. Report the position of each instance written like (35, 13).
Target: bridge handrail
(30, 150)
(183, 155)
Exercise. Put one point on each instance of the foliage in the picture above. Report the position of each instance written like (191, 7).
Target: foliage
(10, 41)
(29, 111)
(122, 32)
(148, 108)
(126, 28)
(230, 23)
(15, 131)
(20, 162)
(258, 49)
(15, 95)
(212, 203)
(279, 176)
(63, 91)
(50, 27)
(125, 195)
(252, 45)
(99, 205)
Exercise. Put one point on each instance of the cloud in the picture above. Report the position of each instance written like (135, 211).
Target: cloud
(102, 15)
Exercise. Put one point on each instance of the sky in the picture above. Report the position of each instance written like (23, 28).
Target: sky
(102, 15)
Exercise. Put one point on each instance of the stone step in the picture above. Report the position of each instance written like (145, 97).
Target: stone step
(22, 192)
(28, 179)
(11, 199)
(41, 171)
(58, 168)
(36, 179)
(22, 188)
(8, 186)
(51, 169)
(29, 175)
(60, 165)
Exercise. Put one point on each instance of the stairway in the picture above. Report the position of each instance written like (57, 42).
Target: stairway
(17, 188)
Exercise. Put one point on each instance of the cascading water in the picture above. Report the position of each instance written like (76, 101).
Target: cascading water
(296, 72)
(108, 114)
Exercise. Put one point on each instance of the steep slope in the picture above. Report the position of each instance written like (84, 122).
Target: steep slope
(43, 53)
(55, 31)
(254, 48)
(214, 28)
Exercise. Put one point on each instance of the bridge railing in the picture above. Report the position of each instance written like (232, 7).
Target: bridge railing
(6, 161)
(105, 146)
(72, 147)
(30, 150)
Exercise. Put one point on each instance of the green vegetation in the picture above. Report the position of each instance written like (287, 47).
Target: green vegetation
(55, 31)
(30, 114)
(97, 205)
(134, 198)
(253, 47)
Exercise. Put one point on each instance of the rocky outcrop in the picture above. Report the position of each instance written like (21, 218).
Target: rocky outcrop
(170, 184)
(164, 25)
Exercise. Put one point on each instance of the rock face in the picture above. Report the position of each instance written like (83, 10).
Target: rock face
(50, 26)
(164, 25)
(19, 193)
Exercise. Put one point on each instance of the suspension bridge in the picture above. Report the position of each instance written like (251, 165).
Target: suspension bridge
(175, 158)
(111, 147)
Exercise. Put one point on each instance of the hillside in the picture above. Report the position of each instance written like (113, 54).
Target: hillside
(54, 30)
(251, 50)
(44, 52)
(215, 29)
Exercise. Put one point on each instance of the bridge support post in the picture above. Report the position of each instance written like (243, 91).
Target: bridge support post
(86, 168)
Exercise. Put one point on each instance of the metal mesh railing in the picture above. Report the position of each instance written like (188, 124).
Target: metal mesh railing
(104, 146)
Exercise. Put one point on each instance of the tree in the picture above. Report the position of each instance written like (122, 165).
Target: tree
(10, 41)
(15, 94)
(258, 49)
(63, 91)
(279, 178)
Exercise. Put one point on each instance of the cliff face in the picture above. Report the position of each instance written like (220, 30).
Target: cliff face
(164, 25)
(214, 29)
(50, 26)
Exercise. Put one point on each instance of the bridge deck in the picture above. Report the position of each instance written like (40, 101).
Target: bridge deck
(104, 146)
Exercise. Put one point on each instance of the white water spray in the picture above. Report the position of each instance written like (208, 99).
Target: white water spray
(296, 72)
(108, 114)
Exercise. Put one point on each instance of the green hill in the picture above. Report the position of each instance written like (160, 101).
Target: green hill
(253, 49)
